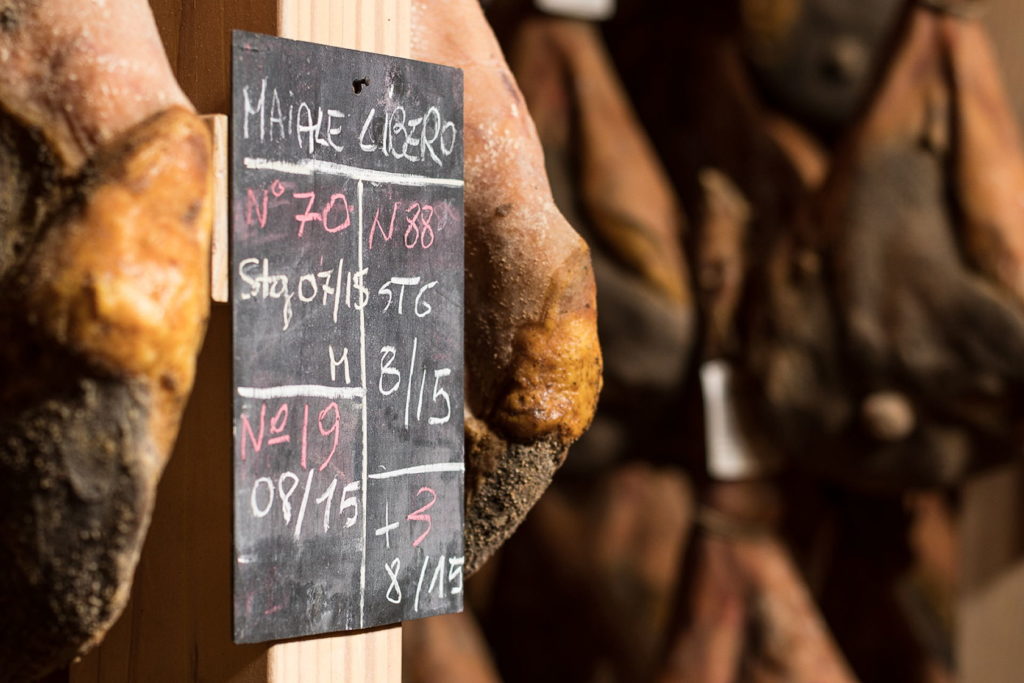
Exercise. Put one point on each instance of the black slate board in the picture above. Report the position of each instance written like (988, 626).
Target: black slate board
(347, 303)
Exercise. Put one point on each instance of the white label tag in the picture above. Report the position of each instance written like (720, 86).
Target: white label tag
(729, 455)
(588, 10)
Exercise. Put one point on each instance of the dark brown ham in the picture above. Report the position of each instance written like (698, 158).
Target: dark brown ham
(880, 330)
(749, 613)
(918, 226)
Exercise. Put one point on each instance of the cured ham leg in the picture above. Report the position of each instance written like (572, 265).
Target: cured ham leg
(750, 615)
(882, 329)
(104, 231)
(925, 231)
(533, 365)
(595, 567)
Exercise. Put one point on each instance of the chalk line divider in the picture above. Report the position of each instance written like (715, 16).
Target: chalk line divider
(302, 390)
(310, 167)
(362, 376)
(421, 469)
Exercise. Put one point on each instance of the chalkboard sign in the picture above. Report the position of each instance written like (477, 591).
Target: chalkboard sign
(347, 304)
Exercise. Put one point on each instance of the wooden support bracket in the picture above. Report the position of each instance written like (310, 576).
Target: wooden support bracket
(218, 125)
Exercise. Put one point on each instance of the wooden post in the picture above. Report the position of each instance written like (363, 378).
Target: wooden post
(177, 626)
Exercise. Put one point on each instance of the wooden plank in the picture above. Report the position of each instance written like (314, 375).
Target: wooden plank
(347, 30)
(177, 625)
(372, 655)
(367, 656)
(374, 25)
(375, 654)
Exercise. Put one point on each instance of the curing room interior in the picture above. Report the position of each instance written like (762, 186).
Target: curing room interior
(512, 341)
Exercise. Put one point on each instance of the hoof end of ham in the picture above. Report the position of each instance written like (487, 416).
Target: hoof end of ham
(551, 384)
(545, 403)
(102, 311)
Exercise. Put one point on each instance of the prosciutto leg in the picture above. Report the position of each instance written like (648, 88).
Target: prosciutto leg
(533, 364)
(104, 231)
(921, 221)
